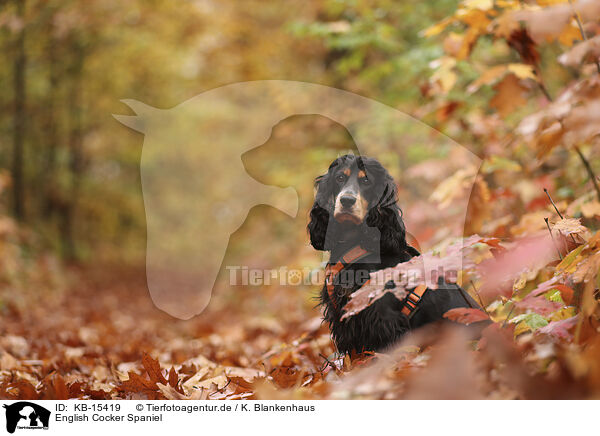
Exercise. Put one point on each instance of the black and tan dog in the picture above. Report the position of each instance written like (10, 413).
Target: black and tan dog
(356, 217)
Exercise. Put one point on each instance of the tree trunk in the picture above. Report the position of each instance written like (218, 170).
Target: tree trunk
(19, 125)
(75, 152)
(49, 169)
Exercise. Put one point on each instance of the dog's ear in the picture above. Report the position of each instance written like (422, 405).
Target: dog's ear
(387, 217)
(319, 213)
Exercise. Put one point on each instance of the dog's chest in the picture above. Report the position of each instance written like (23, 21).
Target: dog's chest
(338, 287)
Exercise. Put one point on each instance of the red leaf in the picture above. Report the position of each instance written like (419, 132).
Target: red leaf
(539, 305)
(545, 286)
(528, 254)
(566, 293)
(426, 269)
(466, 315)
(560, 329)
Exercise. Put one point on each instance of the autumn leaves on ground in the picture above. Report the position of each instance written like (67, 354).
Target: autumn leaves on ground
(518, 83)
(103, 338)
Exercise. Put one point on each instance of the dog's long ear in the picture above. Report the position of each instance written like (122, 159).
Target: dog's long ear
(319, 214)
(387, 217)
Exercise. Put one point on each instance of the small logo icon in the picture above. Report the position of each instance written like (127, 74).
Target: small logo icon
(26, 415)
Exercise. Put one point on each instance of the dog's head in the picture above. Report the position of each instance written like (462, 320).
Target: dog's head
(356, 193)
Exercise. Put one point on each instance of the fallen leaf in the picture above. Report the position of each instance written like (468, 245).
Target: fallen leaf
(560, 329)
(465, 315)
(153, 369)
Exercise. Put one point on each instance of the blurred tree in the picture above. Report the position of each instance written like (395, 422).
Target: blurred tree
(73, 168)
(20, 62)
(375, 47)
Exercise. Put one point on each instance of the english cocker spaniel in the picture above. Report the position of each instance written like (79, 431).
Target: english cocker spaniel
(357, 219)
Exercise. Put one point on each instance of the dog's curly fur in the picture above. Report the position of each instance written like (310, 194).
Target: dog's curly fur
(381, 231)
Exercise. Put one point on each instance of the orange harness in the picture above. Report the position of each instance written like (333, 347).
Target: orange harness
(413, 299)
(331, 271)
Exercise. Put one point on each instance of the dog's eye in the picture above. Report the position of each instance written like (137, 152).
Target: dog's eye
(340, 178)
(365, 181)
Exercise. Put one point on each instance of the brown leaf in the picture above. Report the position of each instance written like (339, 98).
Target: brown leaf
(568, 226)
(446, 110)
(549, 23)
(454, 187)
(153, 369)
(524, 45)
(19, 389)
(248, 374)
(135, 383)
(54, 387)
(465, 315)
(173, 378)
(591, 209)
(451, 374)
(479, 208)
(584, 51)
(582, 123)
(8, 362)
(587, 270)
(494, 74)
(212, 383)
(509, 95)
(171, 393)
(573, 118)
(512, 371)
(76, 390)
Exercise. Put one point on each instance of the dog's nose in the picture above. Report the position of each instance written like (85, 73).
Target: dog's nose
(347, 200)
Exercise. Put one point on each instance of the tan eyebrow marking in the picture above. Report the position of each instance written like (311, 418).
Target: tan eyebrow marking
(347, 172)
(361, 174)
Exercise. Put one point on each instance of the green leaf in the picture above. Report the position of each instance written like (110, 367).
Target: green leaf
(533, 320)
(554, 295)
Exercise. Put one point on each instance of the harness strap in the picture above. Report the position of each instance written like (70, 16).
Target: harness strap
(331, 271)
(413, 299)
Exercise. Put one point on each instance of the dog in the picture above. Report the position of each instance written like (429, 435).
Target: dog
(357, 219)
